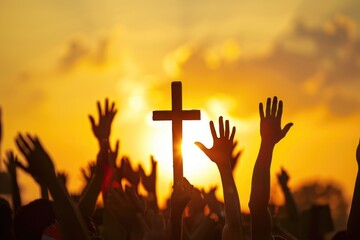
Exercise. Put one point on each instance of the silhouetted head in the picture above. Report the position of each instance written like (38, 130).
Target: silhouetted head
(6, 228)
(31, 219)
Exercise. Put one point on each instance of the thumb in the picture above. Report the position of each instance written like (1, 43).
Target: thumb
(202, 147)
(286, 129)
(92, 121)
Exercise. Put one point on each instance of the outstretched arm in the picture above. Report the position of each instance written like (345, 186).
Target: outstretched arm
(41, 166)
(353, 229)
(220, 154)
(11, 167)
(271, 133)
(180, 198)
(99, 180)
(291, 208)
(43, 189)
(103, 170)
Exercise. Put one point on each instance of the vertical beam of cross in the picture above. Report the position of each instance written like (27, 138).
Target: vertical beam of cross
(176, 115)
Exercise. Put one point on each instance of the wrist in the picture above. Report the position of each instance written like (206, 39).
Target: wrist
(267, 145)
(284, 187)
(224, 167)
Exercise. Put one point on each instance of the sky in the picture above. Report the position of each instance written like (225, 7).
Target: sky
(58, 58)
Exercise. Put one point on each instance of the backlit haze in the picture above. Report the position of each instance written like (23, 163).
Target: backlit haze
(58, 58)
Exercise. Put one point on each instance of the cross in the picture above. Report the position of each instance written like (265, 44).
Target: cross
(176, 115)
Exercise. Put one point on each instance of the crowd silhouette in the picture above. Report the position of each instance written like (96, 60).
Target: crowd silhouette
(191, 213)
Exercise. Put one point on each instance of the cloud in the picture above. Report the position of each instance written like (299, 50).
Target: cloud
(309, 66)
(79, 52)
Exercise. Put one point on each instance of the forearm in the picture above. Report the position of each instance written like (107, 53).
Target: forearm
(88, 199)
(176, 225)
(16, 198)
(290, 204)
(260, 194)
(44, 191)
(260, 186)
(72, 223)
(354, 216)
(232, 204)
(152, 201)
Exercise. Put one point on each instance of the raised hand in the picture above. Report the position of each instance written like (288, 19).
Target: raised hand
(129, 173)
(107, 157)
(89, 173)
(11, 162)
(270, 122)
(283, 177)
(211, 200)
(102, 129)
(220, 152)
(149, 181)
(235, 156)
(181, 195)
(40, 165)
(62, 178)
(271, 133)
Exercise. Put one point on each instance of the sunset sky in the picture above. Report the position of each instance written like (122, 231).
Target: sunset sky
(58, 58)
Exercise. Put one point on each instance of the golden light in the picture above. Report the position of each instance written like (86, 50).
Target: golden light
(197, 167)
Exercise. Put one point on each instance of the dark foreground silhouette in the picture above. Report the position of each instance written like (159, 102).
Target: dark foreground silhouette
(191, 213)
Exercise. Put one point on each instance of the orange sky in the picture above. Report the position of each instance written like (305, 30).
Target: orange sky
(58, 59)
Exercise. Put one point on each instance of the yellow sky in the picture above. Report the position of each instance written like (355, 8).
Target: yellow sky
(58, 59)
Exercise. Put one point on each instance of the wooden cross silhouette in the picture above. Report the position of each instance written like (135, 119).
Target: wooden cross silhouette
(176, 115)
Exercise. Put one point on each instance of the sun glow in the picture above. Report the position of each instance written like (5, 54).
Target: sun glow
(197, 168)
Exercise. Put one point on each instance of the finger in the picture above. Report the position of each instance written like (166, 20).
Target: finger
(286, 129)
(221, 126)
(92, 121)
(83, 173)
(261, 110)
(37, 144)
(235, 144)
(141, 171)
(32, 139)
(112, 107)
(22, 148)
(238, 154)
(202, 147)
(106, 106)
(24, 142)
(274, 106)
(117, 148)
(99, 109)
(153, 164)
(20, 165)
(280, 110)
(112, 115)
(227, 128)
(9, 155)
(212, 129)
(268, 107)
(232, 134)
(152, 160)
